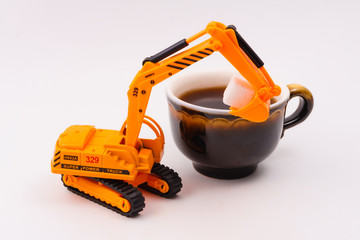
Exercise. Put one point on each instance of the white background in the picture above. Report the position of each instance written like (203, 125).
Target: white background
(71, 62)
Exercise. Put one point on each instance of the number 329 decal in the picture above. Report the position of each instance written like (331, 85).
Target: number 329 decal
(91, 159)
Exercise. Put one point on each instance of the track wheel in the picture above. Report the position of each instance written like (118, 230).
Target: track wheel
(163, 181)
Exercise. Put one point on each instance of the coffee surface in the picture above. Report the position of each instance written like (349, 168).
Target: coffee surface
(207, 97)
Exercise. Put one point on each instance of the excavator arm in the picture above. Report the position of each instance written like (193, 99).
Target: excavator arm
(163, 65)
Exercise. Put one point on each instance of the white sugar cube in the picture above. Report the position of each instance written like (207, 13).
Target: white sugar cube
(238, 93)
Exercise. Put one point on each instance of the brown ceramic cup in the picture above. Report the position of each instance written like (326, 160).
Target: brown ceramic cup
(219, 144)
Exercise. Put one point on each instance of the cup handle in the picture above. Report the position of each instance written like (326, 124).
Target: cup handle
(304, 108)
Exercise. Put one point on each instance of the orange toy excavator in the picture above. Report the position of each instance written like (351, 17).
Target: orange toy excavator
(107, 166)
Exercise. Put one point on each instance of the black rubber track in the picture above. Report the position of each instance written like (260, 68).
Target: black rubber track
(169, 176)
(130, 193)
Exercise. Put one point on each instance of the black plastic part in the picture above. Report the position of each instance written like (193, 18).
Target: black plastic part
(169, 176)
(246, 48)
(132, 194)
(166, 52)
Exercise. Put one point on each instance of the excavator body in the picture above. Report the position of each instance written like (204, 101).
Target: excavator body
(99, 153)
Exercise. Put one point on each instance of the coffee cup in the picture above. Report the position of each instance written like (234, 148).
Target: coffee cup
(219, 144)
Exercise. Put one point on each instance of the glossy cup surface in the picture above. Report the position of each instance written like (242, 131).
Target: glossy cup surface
(220, 144)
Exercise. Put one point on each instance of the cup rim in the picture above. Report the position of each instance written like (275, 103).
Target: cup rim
(180, 82)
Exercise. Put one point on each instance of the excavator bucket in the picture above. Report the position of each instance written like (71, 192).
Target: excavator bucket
(256, 111)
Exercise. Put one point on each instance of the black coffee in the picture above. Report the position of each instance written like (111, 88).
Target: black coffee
(207, 97)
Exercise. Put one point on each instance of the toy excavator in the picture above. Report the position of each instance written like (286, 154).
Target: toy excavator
(107, 166)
